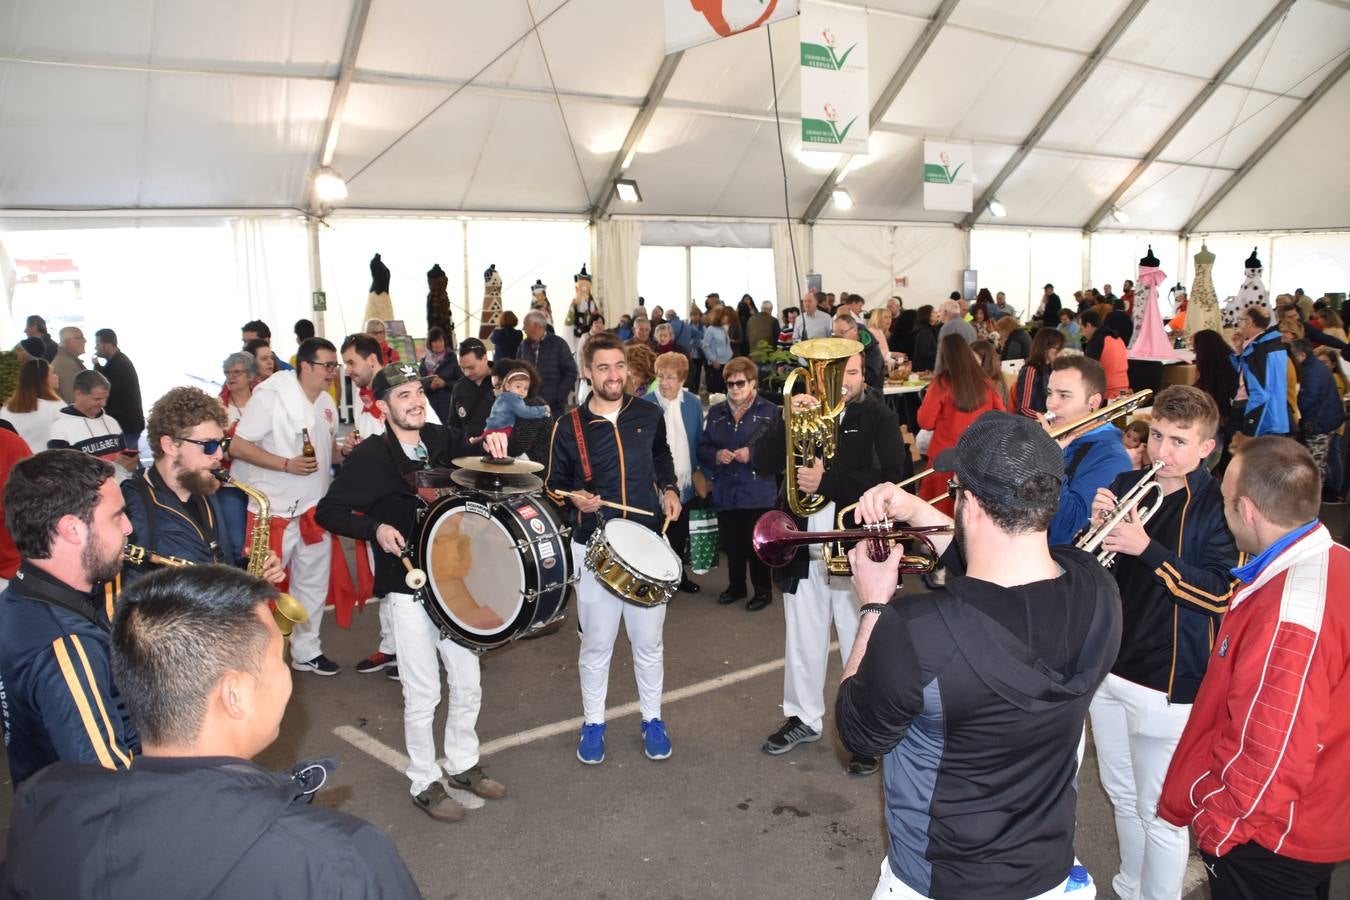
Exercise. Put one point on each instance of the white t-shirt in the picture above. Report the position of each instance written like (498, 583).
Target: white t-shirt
(290, 495)
(101, 437)
(34, 427)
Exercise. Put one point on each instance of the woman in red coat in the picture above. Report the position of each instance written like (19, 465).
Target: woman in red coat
(954, 400)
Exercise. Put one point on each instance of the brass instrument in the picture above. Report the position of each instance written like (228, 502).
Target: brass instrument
(777, 539)
(815, 431)
(139, 556)
(287, 610)
(1092, 537)
(836, 560)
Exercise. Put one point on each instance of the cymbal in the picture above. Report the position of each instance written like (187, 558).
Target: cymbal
(508, 466)
(497, 483)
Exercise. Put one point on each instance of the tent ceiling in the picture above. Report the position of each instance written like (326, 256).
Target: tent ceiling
(186, 103)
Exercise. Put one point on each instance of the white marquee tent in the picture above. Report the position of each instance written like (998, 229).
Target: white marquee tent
(169, 145)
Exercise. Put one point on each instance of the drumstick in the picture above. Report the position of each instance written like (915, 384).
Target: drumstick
(610, 504)
(415, 578)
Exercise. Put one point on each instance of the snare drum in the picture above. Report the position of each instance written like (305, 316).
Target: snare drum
(497, 568)
(634, 563)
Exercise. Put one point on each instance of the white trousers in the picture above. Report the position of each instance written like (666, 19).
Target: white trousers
(809, 611)
(386, 617)
(307, 565)
(421, 650)
(1136, 730)
(598, 615)
(890, 888)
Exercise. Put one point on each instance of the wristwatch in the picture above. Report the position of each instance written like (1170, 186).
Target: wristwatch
(670, 487)
(872, 607)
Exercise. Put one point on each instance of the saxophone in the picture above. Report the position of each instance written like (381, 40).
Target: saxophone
(287, 610)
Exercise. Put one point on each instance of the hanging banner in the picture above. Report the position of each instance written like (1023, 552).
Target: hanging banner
(948, 175)
(693, 22)
(834, 78)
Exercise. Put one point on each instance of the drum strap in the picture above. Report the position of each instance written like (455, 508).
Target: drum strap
(581, 447)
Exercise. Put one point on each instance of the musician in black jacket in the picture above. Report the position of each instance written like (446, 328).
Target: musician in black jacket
(373, 498)
(870, 452)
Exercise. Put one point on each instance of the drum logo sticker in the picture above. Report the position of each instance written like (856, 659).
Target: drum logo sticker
(478, 508)
(549, 563)
(536, 526)
(527, 512)
(546, 552)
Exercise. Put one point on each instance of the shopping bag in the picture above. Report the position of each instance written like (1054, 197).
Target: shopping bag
(702, 539)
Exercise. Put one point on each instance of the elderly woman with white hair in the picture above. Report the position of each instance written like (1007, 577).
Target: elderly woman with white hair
(551, 358)
(379, 331)
(684, 431)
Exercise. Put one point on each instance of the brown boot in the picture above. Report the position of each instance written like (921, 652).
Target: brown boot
(435, 802)
(474, 781)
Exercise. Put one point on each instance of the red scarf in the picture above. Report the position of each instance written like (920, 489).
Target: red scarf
(368, 404)
(343, 596)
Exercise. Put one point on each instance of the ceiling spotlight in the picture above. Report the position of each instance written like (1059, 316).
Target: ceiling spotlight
(842, 198)
(997, 210)
(329, 186)
(1119, 215)
(628, 190)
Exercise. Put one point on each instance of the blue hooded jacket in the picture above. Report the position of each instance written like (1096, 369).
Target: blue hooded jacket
(1264, 367)
(1091, 461)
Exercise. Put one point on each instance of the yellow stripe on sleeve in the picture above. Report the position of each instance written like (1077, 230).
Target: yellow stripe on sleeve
(82, 703)
(107, 723)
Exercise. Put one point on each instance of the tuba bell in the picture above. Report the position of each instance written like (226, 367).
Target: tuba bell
(815, 432)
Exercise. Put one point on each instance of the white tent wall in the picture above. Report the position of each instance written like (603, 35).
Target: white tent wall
(617, 243)
(1318, 262)
(551, 252)
(793, 255)
(867, 260)
(1115, 255)
(1021, 261)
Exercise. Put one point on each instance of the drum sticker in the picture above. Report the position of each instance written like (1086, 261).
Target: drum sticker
(546, 552)
(549, 562)
(536, 526)
(527, 512)
(478, 508)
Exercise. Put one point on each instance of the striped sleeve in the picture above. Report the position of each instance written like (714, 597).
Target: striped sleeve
(80, 715)
(1206, 587)
(1280, 701)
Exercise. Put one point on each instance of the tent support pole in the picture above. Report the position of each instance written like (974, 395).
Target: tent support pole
(1079, 79)
(1240, 54)
(1266, 146)
(644, 117)
(884, 100)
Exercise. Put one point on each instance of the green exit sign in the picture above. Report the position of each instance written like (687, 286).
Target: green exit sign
(320, 301)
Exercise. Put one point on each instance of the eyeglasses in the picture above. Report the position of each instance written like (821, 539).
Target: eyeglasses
(210, 447)
(953, 488)
(327, 366)
(739, 382)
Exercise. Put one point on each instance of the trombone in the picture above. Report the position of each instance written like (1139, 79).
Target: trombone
(779, 539)
(1092, 537)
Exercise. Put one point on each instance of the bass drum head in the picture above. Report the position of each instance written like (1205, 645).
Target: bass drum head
(642, 551)
(490, 572)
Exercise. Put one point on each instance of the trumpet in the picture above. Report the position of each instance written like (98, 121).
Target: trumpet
(776, 540)
(1092, 537)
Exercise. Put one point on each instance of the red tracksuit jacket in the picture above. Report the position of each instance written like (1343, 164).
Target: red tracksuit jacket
(1265, 756)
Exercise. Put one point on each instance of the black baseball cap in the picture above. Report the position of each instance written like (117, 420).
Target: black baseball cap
(998, 454)
(393, 375)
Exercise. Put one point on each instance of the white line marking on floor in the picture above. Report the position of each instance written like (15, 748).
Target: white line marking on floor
(395, 760)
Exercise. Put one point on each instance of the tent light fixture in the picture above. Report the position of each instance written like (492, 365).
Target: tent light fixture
(1120, 215)
(329, 186)
(997, 210)
(627, 189)
(842, 198)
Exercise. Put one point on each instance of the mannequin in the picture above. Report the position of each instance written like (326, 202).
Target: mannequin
(378, 304)
(492, 302)
(1203, 310)
(438, 304)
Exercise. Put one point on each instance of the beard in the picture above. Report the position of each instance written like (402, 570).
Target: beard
(958, 530)
(609, 391)
(99, 568)
(403, 418)
(198, 482)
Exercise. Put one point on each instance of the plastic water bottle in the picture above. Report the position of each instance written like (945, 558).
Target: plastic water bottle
(1079, 880)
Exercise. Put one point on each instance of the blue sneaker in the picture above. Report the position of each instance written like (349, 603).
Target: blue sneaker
(591, 747)
(655, 742)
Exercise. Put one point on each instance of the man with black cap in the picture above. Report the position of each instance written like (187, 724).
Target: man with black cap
(373, 499)
(977, 699)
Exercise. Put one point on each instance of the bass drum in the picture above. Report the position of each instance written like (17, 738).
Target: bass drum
(497, 568)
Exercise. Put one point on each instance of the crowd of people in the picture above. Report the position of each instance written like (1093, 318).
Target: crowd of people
(1207, 658)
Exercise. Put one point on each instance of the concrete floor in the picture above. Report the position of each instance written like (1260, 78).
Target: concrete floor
(718, 819)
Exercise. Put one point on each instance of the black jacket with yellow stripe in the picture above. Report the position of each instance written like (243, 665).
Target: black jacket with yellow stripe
(56, 690)
(1174, 594)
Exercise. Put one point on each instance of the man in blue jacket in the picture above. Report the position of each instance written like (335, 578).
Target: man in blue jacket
(1261, 405)
(172, 505)
(1320, 411)
(1092, 459)
(67, 518)
(612, 449)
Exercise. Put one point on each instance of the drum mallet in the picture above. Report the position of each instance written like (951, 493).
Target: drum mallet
(416, 578)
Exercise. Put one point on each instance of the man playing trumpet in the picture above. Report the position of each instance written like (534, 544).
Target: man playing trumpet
(1175, 581)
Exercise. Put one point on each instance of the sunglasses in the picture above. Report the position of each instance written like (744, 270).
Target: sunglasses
(739, 382)
(209, 447)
